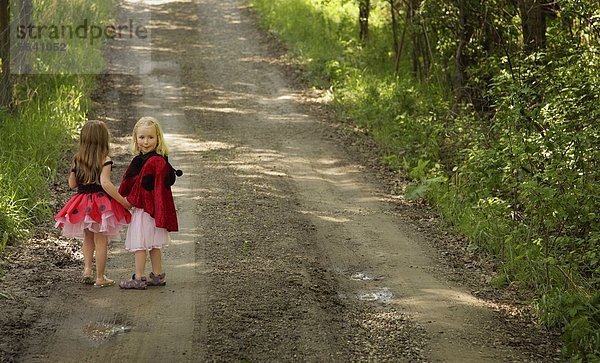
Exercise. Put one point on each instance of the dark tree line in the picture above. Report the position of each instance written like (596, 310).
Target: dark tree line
(475, 22)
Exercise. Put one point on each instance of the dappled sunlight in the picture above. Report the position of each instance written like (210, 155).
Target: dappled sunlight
(257, 59)
(160, 2)
(186, 143)
(289, 118)
(221, 110)
(323, 216)
(283, 95)
(183, 233)
(342, 171)
(319, 178)
(176, 241)
(169, 26)
(191, 265)
(444, 299)
(192, 194)
(324, 161)
(143, 105)
(274, 173)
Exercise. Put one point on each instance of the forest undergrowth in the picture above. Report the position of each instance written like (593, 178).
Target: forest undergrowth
(496, 128)
(51, 88)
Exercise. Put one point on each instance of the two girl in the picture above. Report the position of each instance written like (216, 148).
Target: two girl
(93, 216)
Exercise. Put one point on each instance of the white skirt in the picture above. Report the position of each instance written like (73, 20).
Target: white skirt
(143, 234)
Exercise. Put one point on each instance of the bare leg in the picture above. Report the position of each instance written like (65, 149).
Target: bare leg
(140, 263)
(88, 252)
(156, 260)
(101, 243)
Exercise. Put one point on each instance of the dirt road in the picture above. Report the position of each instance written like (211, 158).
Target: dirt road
(288, 249)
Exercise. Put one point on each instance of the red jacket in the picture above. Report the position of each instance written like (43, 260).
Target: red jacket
(147, 185)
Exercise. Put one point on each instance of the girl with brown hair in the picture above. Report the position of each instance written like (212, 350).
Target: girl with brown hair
(97, 212)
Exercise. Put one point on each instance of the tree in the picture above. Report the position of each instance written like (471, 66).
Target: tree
(398, 44)
(21, 58)
(463, 60)
(533, 24)
(5, 82)
(421, 52)
(364, 7)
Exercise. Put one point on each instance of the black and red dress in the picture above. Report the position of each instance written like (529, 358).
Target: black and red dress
(92, 209)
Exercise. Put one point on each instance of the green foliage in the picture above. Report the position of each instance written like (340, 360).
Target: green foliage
(34, 137)
(33, 140)
(422, 183)
(516, 140)
(580, 316)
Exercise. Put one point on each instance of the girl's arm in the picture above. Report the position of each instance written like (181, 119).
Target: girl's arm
(110, 188)
(72, 177)
(72, 180)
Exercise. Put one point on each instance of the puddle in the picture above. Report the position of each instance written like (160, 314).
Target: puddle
(102, 330)
(382, 295)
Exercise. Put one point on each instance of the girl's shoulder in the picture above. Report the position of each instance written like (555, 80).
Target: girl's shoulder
(158, 159)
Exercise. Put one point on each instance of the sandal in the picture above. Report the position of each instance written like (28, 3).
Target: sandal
(88, 280)
(157, 280)
(133, 284)
(107, 282)
(88, 277)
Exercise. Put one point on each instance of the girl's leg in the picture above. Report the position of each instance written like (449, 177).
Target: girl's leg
(140, 263)
(136, 281)
(156, 260)
(101, 244)
(88, 252)
(157, 277)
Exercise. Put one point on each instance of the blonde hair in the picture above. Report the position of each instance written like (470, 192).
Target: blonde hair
(93, 150)
(161, 147)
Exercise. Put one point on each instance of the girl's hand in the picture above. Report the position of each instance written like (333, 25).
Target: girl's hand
(127, 205)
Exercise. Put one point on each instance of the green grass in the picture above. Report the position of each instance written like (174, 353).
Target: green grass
(50, 106)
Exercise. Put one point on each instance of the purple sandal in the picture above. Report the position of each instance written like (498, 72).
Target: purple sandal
(133, 284)
(157, 280)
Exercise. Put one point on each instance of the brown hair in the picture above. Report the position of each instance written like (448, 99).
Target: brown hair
(92, 151)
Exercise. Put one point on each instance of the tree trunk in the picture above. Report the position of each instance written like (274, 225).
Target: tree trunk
(462, 58)
(5, 82)
(400, 45)
(533, 23)
(394, 25)
(410, 16)
(21, 57)
(364, 7)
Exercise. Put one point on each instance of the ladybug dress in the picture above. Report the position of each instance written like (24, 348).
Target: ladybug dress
(92, 209)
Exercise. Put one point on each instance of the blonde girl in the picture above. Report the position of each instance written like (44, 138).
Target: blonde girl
(147, 186)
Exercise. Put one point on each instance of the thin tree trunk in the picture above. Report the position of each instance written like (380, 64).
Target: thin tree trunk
(25, 20)
(5, 82)
(533, 23)
(462, 60)
(394, 26)
(401, 46)
(364, 7)
(412, 6)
